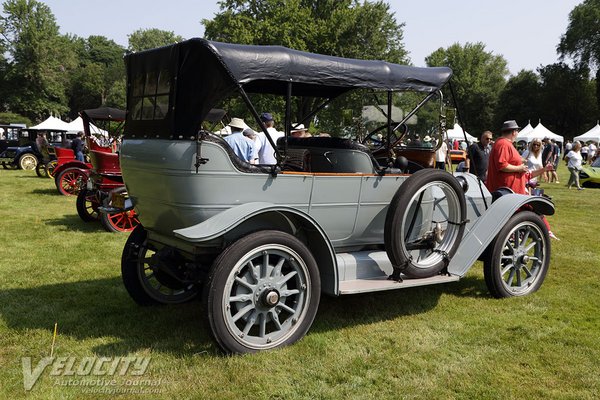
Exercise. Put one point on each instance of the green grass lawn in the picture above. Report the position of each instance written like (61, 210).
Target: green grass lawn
(448, 341)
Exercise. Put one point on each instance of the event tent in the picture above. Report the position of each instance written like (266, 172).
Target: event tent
(524, 132)
(539, 132)
(77, 125)
(53, 124)
(591, 135)
(459, 134)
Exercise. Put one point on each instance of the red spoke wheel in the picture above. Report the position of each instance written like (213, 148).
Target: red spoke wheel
(70, 181)
(124, 221)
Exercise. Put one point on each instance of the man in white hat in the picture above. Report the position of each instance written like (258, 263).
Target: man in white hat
(241, 145)
(298, 130)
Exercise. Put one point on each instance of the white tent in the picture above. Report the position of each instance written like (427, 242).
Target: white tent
(540, 132)
(522, 136)
(77, 125)
(459, 134)
(591, 135)
(52, 123)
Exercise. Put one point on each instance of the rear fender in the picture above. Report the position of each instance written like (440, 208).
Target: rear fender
(70, 164)
(238, 221)
(484, 230)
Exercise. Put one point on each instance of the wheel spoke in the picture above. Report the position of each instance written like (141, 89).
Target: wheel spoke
(240, 298)
(286, 308)
(511, 277)
(287, 293)
(275, 319)
(506, 268)
(277, 270)
(250, 322)
(244, 283)
(242, 312)
(262, 326)
(287, 278)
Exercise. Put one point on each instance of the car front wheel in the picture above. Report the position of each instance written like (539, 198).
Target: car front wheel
(519, 258)
(262, 293)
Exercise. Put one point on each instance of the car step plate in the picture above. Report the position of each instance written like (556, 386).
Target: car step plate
(382, 283)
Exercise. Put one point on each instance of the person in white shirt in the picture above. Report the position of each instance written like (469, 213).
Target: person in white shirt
(440, 156)
(533, 157)
(266, 152)
(574, 165)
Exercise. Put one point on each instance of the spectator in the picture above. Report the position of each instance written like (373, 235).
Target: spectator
(574, 163)
(568, 146)
(478, 155)
(592, 151)
(299, 131)
(266, 154)
(553, 177)
(78, 145)
(506, 168)
(241, 145)
(584, 152)
(427, 142)
(440, 156)
(533, 157)
(547, 156)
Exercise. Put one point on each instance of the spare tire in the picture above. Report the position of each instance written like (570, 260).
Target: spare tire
(425, 223)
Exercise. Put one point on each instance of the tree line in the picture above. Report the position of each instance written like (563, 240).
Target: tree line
(43, 72)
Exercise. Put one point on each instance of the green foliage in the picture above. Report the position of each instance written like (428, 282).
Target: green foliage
(520, 99)
(40, 59)
(12, 118)
(144, 39)
(568, 99)
(479, 76)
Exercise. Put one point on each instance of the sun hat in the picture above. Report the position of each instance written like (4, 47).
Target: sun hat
(427, 138)
(298, 128)
(237, 123)
(510, 125)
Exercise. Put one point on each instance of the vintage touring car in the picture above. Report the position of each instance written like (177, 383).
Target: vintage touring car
(261, 243)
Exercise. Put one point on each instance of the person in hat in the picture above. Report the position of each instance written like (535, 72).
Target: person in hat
(266, 153)
(506, 167)
(427, 142)
(241, 145)
(299, 131)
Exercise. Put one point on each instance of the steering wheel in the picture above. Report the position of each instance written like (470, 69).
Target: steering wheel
(378, 139)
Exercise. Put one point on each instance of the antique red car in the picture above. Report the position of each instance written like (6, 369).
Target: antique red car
(103, 182)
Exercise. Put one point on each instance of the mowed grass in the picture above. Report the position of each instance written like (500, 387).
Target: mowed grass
(447, 341)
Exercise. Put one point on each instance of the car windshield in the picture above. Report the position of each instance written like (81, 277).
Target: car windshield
(596, 163)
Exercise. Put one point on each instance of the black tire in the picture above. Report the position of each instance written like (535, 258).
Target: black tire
(70, 181)
(40, 170)
(519, 258)
(416, 243)
(272, 305)
(87, 205)
(147, 284)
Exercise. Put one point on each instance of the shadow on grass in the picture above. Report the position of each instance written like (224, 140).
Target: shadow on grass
(46, 192)
(102, 311)
(74, 223)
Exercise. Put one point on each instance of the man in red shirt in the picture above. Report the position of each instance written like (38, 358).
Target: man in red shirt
(506, 167)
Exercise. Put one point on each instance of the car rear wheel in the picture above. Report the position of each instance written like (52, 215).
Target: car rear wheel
(425, 223)
(262, 293)
(519, 258)
(28, 162)
(145, 277)
(50, 167)
(125, 221)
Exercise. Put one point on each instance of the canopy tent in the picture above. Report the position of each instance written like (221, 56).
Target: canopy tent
(459, 134)
(52, 123)
(591, 135)
(524, 132)
(539, 132)
(77, 125)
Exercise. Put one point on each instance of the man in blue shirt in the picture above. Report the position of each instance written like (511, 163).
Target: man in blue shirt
(241, 145)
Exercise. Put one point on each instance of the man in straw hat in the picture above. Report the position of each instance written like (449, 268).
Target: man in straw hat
(241, 145)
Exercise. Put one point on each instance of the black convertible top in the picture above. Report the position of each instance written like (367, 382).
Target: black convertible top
(200, 73)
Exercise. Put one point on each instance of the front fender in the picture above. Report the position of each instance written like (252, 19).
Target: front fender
(69, 164)
(484, 230)
(262, 215)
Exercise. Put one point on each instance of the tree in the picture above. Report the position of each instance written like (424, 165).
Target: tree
(40, 59)
(345, 28)
(479, 77)
(567, 102)
(581, 41)
(101, 68)
(520, 99)
(144, 39)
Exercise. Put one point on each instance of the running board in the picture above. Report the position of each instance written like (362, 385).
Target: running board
(383, 283)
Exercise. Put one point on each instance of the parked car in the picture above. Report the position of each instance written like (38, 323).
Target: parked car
(262, 243)
(456, 156)
(25, 154)
(589, 176)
